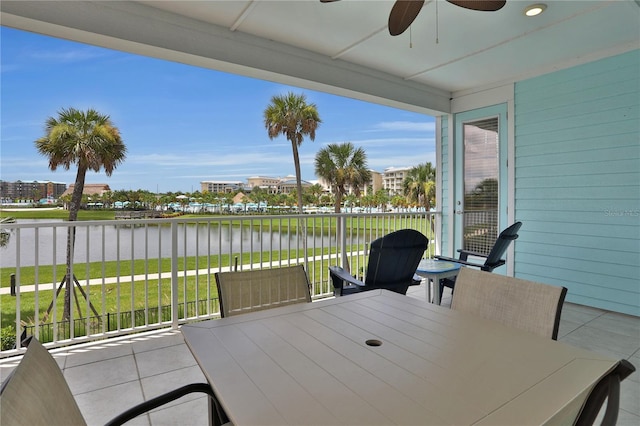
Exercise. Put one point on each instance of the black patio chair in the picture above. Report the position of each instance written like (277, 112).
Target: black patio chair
(492, 260)
(393, 260)
(608, 388)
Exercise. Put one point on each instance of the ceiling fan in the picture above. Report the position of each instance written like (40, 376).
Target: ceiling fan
(404, 12)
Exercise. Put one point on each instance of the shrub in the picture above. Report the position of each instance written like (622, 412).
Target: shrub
(7, 338)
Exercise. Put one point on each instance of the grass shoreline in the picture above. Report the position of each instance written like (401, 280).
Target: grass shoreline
(117, 300)
(129, 294)
(47, 213)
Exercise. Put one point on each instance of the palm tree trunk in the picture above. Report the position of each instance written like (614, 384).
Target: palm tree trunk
(76, 199)
(337, 209)
(301, 221)
(338, 202)
(296, 163)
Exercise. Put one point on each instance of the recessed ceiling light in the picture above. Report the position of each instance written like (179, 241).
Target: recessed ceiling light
(535, 9)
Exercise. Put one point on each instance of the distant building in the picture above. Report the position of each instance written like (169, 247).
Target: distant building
(274, 185)
(289, 185)
(374, 184)
(33, 190)
(217, 186)
(269, 184)
(90, 189)
(240, 197)
(392, 179)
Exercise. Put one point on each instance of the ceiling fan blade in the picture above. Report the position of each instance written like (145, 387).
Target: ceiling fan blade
(483, 5)
(403, 13)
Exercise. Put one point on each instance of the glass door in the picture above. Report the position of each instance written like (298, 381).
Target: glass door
(480, 178)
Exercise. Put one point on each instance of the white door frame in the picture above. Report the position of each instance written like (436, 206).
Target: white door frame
(471, 101)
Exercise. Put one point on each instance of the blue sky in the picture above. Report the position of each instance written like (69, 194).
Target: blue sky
(181, 124)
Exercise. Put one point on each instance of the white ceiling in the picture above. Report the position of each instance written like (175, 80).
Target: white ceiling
(344, 47)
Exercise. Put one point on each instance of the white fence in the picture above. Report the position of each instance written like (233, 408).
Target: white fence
(137, 275)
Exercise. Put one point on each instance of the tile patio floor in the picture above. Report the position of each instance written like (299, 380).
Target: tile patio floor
(110, 376)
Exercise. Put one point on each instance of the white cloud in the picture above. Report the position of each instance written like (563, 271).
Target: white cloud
(20, 163)
(20, 124)
(206, 159)
(389, 143)
(9, 67)
(404, 160)
(68, 55)
(406, 126)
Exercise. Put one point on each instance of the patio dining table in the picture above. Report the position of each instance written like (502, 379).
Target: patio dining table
(379, 357)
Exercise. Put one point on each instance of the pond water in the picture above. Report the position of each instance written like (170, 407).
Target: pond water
(109, 242)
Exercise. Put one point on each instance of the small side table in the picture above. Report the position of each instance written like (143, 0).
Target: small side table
(434, 270)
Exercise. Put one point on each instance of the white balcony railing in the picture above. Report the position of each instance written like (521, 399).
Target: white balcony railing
(142, 274)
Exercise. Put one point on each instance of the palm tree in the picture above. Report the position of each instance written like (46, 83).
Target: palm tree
(484, 195)
(259, 195)
(381, 198)
(342, 166)
(316, 192)
(290, 115)
(107, 199)
(420, 185)
(89, 140)
(148, 199)
(227, 198)
(399, 201)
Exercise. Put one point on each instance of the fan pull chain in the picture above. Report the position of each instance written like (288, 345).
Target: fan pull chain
(410, 38)
(437, 41)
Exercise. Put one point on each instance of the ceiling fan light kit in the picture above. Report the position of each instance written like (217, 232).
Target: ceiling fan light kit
(535, 9)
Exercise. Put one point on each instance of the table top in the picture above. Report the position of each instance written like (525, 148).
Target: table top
(310, 364)
(437, 266)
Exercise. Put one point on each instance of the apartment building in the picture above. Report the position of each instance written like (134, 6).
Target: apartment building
(33, 190)
(224, 186)
(275, 185)
(374, 184)
(392, 179)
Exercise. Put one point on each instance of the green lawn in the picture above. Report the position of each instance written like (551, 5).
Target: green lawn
(124, 297)
(122, 294)
(58, 214)
(117, 302)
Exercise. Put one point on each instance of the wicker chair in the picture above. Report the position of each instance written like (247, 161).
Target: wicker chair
(36, 393)
(536, 308)
(530, 306)
(247, 291)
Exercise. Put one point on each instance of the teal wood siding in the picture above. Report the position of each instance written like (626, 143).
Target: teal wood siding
(577, 181)
(445, 208)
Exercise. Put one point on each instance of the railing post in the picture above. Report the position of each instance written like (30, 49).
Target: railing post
(343, 241)
(12, 280)
(17, 293)
(436, 219)
(174, 275)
